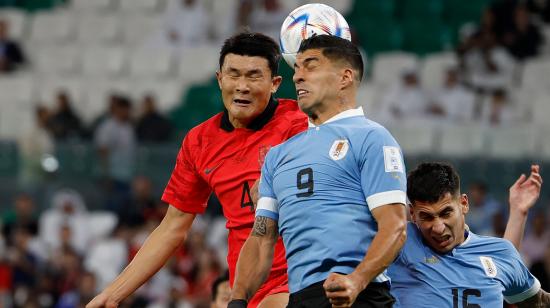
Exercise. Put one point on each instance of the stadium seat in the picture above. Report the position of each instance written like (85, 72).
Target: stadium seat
(433, 68)
(413, 137)
(535, 73)
(97, 91)
(422, 9)
(94, 29)
(48, 88)
(138, 28)
(200, 102)
(368, 96)
(17, 21)
(151, 62)
(8, 159)
(461, 140)
(14, 121)
(197, 71)
(511, 142)
(375, 10)
(543, 144)
(223, 18)
(17, 91)
(92, 6)
(143, 6)
(378, 36)
(65, 60)
(423, 37)
(541, 109)
(167, 92)
(387, 67)
(52, 28)
(104, 61)
(75, 159)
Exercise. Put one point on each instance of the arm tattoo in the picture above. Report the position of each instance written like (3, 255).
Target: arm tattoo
(539, 300)
(264, 226)
(260, 226)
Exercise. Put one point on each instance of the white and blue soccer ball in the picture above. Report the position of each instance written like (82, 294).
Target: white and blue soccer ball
(306, 21)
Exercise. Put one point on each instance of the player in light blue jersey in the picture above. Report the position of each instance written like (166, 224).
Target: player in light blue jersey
(335, 193)
(444, 265)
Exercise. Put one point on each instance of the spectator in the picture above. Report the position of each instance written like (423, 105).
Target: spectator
(152, 126)
(34, 145)
(524, 39)
(65, 124)
(66, 221)
(487, 66)
(81, 295)
(266, 17)
(186, 24)
(541, 8)
(498, 109)
(116, 142)
(537, 240)
(484, 210)
(221, 292)
(541, 268)
(453, 101)
(140, 205)
(407, 99)
(11, 54)
(23, 215)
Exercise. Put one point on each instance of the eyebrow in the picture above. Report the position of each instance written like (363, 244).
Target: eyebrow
(250, 72)
(307, 61)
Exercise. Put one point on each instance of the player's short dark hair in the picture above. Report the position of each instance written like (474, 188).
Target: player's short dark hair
(335, 48)
(224, 277)
(429, 182)
(253, 44)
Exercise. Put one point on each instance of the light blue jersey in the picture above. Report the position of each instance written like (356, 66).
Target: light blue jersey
(478, 273)
(321, 186)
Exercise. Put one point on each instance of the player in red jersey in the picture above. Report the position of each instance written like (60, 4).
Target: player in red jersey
(223, 155)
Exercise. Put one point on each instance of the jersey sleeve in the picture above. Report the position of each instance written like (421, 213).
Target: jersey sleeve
(186, 189)
(382, 169)
(268, 205)
(519, 283)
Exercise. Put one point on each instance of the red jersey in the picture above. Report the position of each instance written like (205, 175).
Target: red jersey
(217, 157)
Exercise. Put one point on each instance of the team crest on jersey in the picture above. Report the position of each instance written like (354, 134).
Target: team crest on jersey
(489, 266)
(339, 149)
(262, 152)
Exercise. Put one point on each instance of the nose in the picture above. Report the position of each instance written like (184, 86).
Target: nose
(298, 77)
(438, 227)
(242, 85)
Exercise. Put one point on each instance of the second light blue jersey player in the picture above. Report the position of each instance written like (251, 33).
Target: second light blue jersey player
(480, 272)
(321, 186)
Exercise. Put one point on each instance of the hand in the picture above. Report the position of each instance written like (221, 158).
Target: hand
(255, 194)
(342, 290)
(102, 300)
(525, 191)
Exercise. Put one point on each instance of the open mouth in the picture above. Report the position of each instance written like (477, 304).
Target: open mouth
(301, 93)
(442, 240)
(243, 102)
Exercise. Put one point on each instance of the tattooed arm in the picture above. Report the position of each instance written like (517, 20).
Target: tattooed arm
(255, 259)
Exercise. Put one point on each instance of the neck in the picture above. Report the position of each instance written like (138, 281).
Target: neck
(239, 123)
(321, 115)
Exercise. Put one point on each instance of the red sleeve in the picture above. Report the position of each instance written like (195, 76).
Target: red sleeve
(186, 189)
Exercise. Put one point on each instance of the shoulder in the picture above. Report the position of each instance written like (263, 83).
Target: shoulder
(495, 246)
(289, 109)
(206, 128)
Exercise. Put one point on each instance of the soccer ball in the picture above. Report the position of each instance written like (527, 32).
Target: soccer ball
(306, 21)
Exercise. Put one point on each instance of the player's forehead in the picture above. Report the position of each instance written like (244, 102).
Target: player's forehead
(310, 55)
(244, 63)
(447, 201)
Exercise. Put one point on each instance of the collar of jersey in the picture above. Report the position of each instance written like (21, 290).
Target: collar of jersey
(342, 115)
(258, 123)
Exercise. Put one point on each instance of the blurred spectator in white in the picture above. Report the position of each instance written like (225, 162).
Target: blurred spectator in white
(497, 109)
(266, 17)
(11, 54)
(34, 144)
(67, 217)
(484, 210)
(116, 141)
(453, 101)
(151, 125)
(537, 240)
(407, 99)
(108, 256)
(65, 123)
(221, 291)
(186, 24)
(80, 296)
(22, 215)
(487, 66)
(524, 40)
